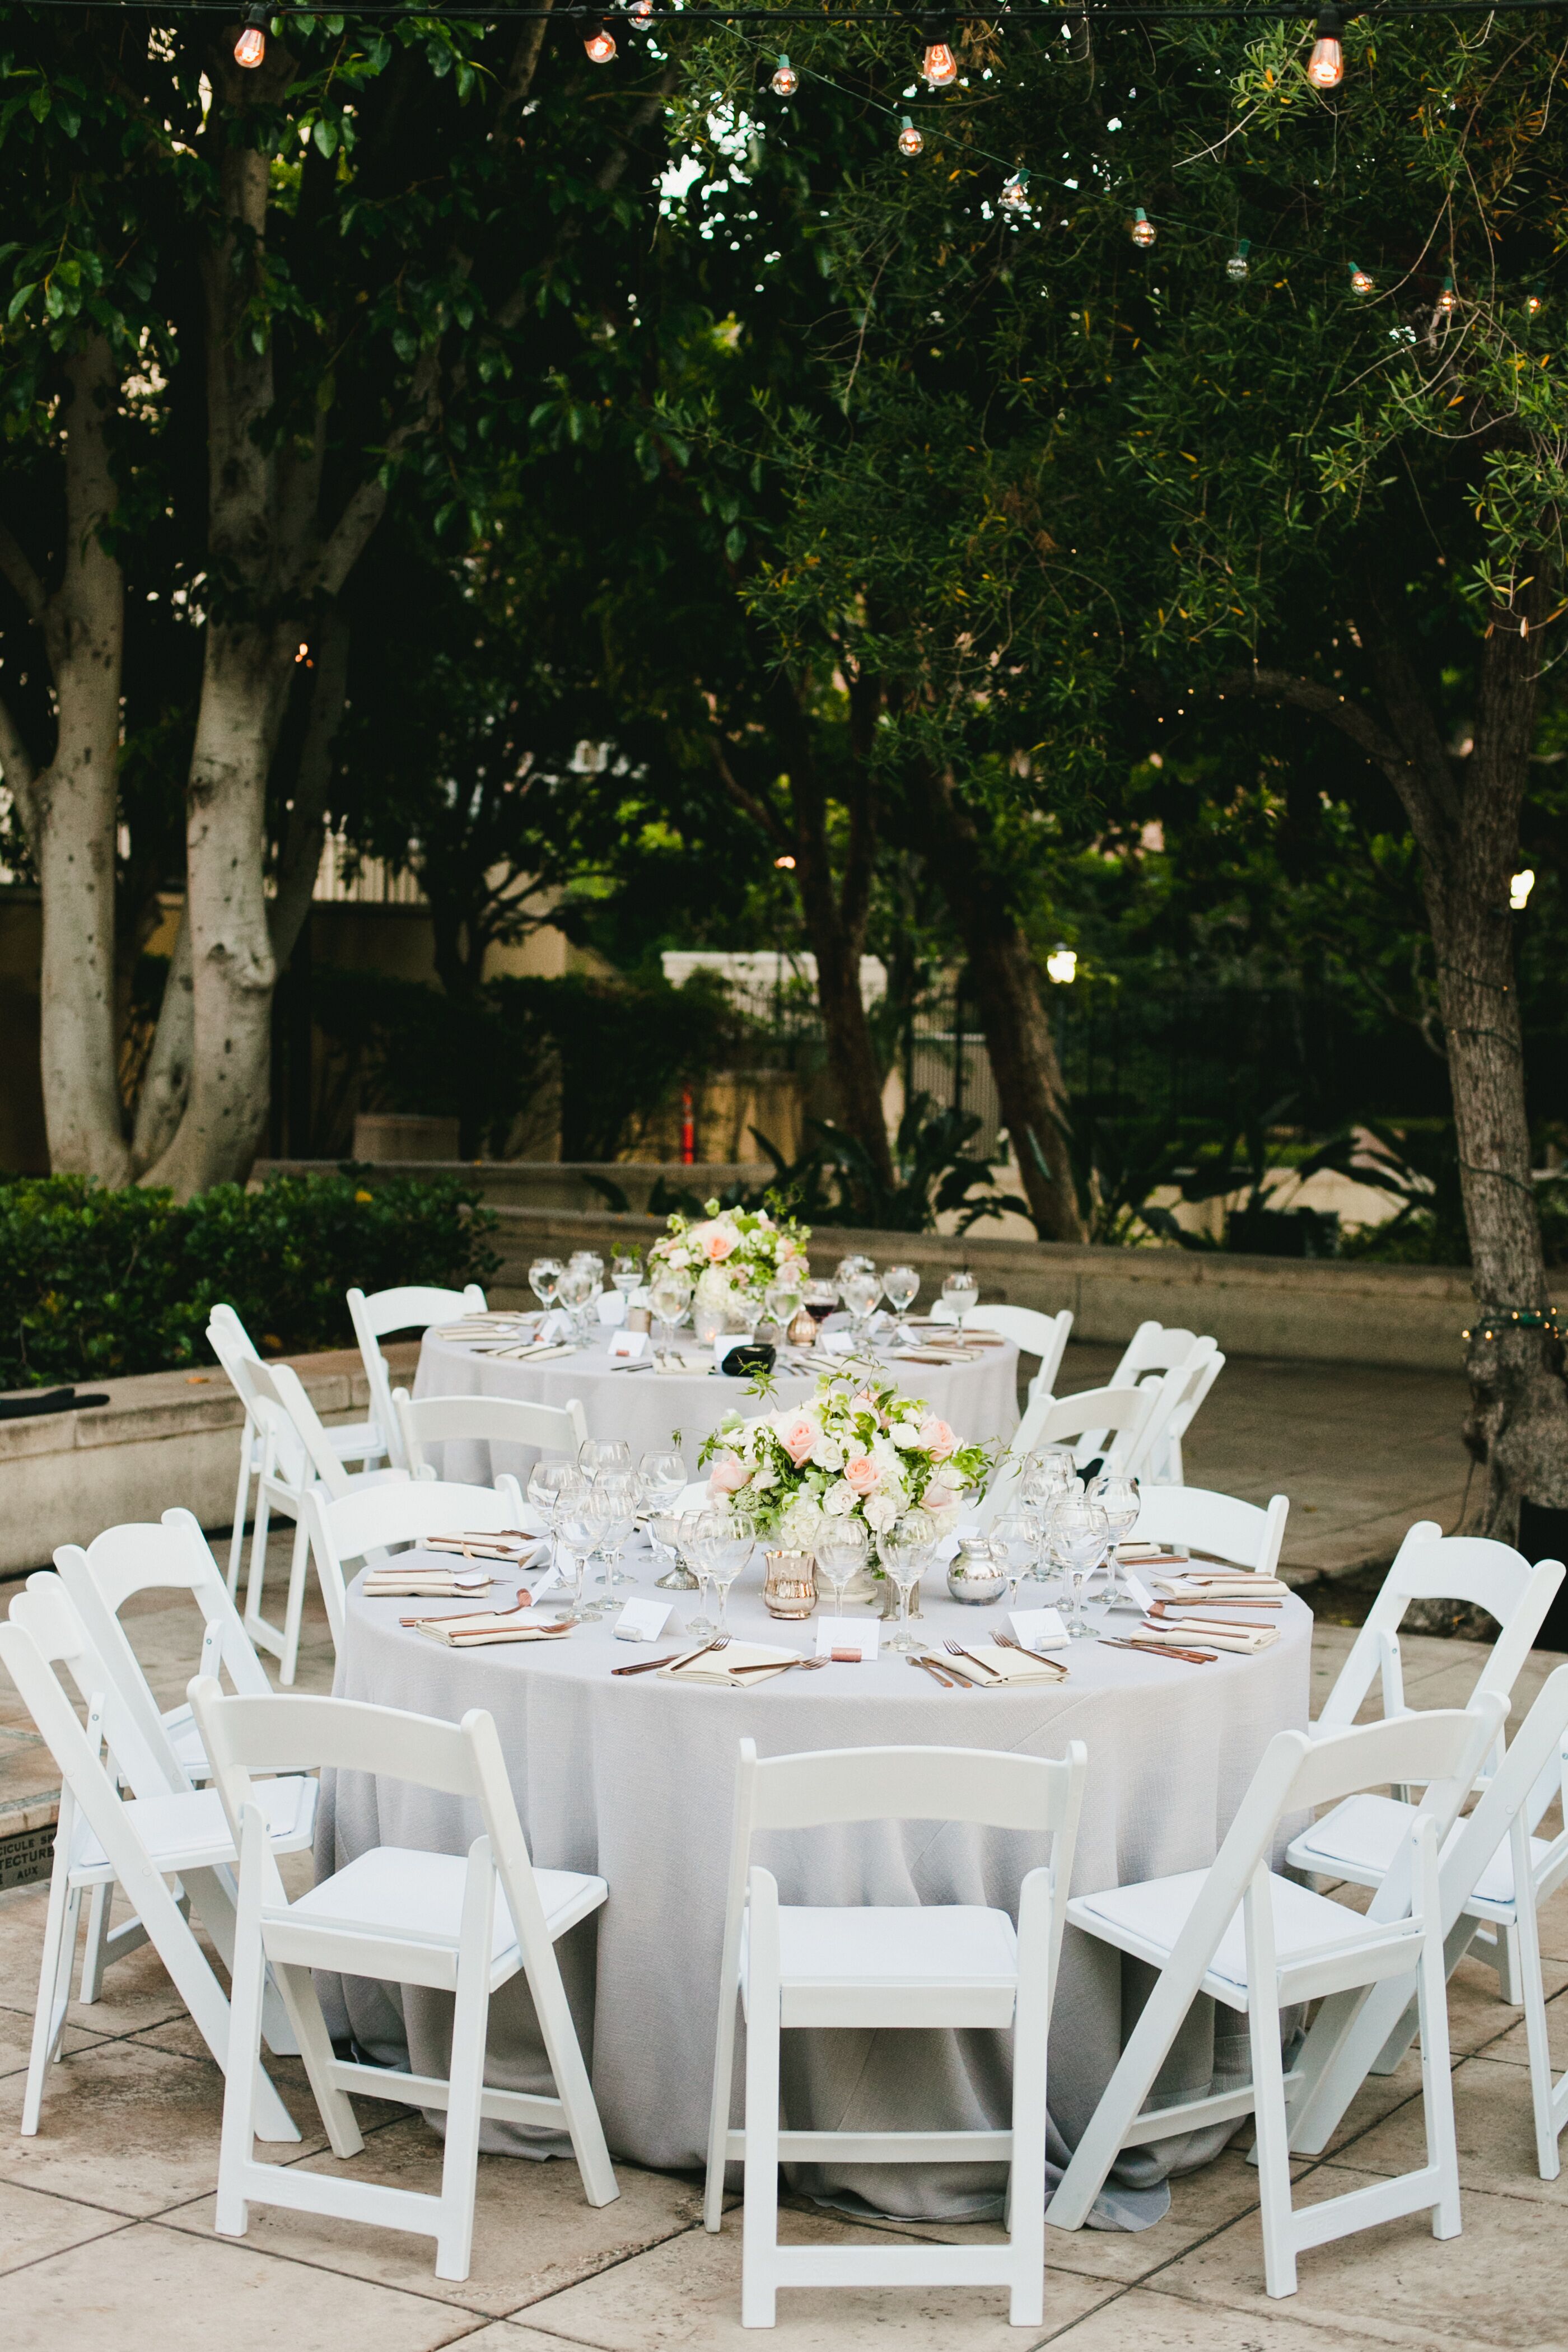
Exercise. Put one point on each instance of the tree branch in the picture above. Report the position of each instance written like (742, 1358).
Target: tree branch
(758, 810)
(302, 854)
(22, 576)
(20, 774)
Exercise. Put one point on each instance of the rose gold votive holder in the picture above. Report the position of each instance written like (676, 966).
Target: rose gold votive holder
(790, 1590)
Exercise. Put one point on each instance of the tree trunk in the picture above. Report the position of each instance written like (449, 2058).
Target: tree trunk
(1007, 993)
(70, 806)
(166, 1080)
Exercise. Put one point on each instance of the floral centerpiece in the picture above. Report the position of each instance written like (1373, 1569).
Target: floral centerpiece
(857, 1448)
(730, 1253)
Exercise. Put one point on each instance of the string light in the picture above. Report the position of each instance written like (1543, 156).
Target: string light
(1326, 66)
(786, 82)
(1016, 191)
(641, 13)
(1360, 283)
(1519, 886)
(910, 140)
(940, 66)
(600, 46)
(1447, 301)
(1532, 303)
(251, 47)
(1143, 228)
(1236, 268)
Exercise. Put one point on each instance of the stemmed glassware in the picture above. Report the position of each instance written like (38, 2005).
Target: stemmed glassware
(962, 1292)
(1079, 1534)
(544, 1280)
(725, 1542)
(900, 1288)
(662, 1483)
(820, 1298)
(669, 1296)
(597, 1454)
(612, 1506)
(843, 1547)
(1014, 1547)
(545, 1481)
(1118, 1498)
(626, 1274)
(861, 1290)
(576, 1285)
(576, 1530)
(784, 1294)
(690, 1550)
(905, 1549)
(1049, 1473)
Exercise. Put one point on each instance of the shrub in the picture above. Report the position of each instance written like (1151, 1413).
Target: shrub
(94, 1283)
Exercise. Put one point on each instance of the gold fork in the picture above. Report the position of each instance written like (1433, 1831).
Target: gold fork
(956, 1650)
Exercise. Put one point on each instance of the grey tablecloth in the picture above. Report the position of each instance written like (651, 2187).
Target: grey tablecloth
(979, 1400)
(634, 1780)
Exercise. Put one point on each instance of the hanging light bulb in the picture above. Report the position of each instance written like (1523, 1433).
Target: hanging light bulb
(940, 66)
(1143, 228)
(1532, 303)
(600, 46)
(251, 47)
(1326, 66)
(1016, 191)
(1360, 283)
(1236, 268)
(1447, 301)
(641, 13)
(786, 81)
(909, 139)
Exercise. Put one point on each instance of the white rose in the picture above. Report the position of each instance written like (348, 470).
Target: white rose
(881, 1512)
(949, 1475)
(827, 1453)
(839, 1500)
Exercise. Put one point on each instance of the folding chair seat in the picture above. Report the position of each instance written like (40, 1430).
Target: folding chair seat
(885, 1967)
(165, 1832)
(360, 1442)
(1258, 1944)
(1220, 1527)
(485, 1421)
(1494, 1874)
(464, 1924)
(411, 1307)
(343, 1529)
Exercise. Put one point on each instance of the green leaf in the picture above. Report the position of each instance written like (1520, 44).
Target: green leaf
(38, 105)
(325, 135)
(735, 543)
(20, 300)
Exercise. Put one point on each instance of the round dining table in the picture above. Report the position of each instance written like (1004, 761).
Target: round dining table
(633, 1777)
(654, 1410)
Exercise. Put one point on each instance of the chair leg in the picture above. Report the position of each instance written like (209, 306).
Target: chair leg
(241, 1503)
(54, 1978)
(719, 2113)
(294, 1615)
(466, 2072)
(1548, 2161)
(1025, 2217)
(236, 2144)
(1273, 2149)
(92, 1957)
(1436, 2078)
(1508, 1967)
(256, 1576)
(298, 1988)
(760, 2227)
(573, 2087)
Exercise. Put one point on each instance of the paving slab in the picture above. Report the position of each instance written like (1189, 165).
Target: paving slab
(1153, 2322)
(33, 2226)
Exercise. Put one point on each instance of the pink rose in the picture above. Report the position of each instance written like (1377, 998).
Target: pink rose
(936, 1438)
(861, 1473)
(798, 1436)
(938, 1498)
(727, 1475)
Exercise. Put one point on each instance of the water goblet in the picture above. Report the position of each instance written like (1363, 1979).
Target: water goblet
(574, 1533)
(1079, 1534)
(860, 1291)
(575, 1288)
(664, 1528)
(1014, 1547)
(614, 1504)
(961, 1291)
(626, 1274)
(856, 1263)
(1119, 1499)
(905, 1549)
(543, 1279)
(725, 1542)
(596, 1453)
(900, 1288)
(843, 1547)
(786, 1293)
(669, 1296)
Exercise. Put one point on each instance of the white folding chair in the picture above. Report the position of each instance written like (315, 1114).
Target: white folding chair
(485, 1421)
(1258, 1943)
(1180, 1393)
(1493, 1876)
(881, 1968)
(412, 1306)
(1045, 1336)
(342, 1529)
(1098, 1422)
(164, 1830)
(360, 1442)
(1220, 1527)
(1154, 1348)
(466, 1924)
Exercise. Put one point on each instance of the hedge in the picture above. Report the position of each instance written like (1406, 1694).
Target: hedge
(94, 1283)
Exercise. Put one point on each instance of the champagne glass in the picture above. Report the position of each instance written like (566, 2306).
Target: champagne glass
(843, 1547)
(725, 1541)
(545, 1279)
(900, 1288)
(962, 1292)
(905, 1549)
(1014, 1547)
(669, 1296)
(1119, 1499)
(1079, 1533)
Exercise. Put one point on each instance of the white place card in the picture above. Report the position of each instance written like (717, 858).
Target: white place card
(628, 1346)
(642, 1620)
(846, 1634)
(1136, 1587)
(548, 1582)
(1039, 1629)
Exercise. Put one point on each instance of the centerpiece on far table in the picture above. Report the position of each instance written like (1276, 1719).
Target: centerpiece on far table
(857, 1448)
(732, 1257)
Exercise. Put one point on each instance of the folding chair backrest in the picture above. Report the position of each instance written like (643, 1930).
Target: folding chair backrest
(1154, 1348)
(412, 1306)
(236, 1350)
(345, 1527)
(1430, 1566)
(493, 1420)
(171, 1555)
(1220, 1525)
(1045, 1336)
(1526, 1781)
(1097, 1421)
(50, 1633)
(1202, 1368)
(280, 1387)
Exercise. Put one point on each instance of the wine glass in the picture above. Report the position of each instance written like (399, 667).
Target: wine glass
(625, 1275)
(664, 1528)
(785, 1292)
(725, 1542)
(1118, 1498)
(856, 1263)
(575, 1531)
(669, 1296)
(962, 1292)
(613, 1504)
(842, 1547)
(860, 1291)
(691, 1560)
(575, 1287)
(544, 1278)
(1079, 1533)
(597, 1454)
(1048, 1472)
(594, 1263)
(545, 1481)
(905, 1549)
(900, 1288)
(1014, 1547)
(820, 1300)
